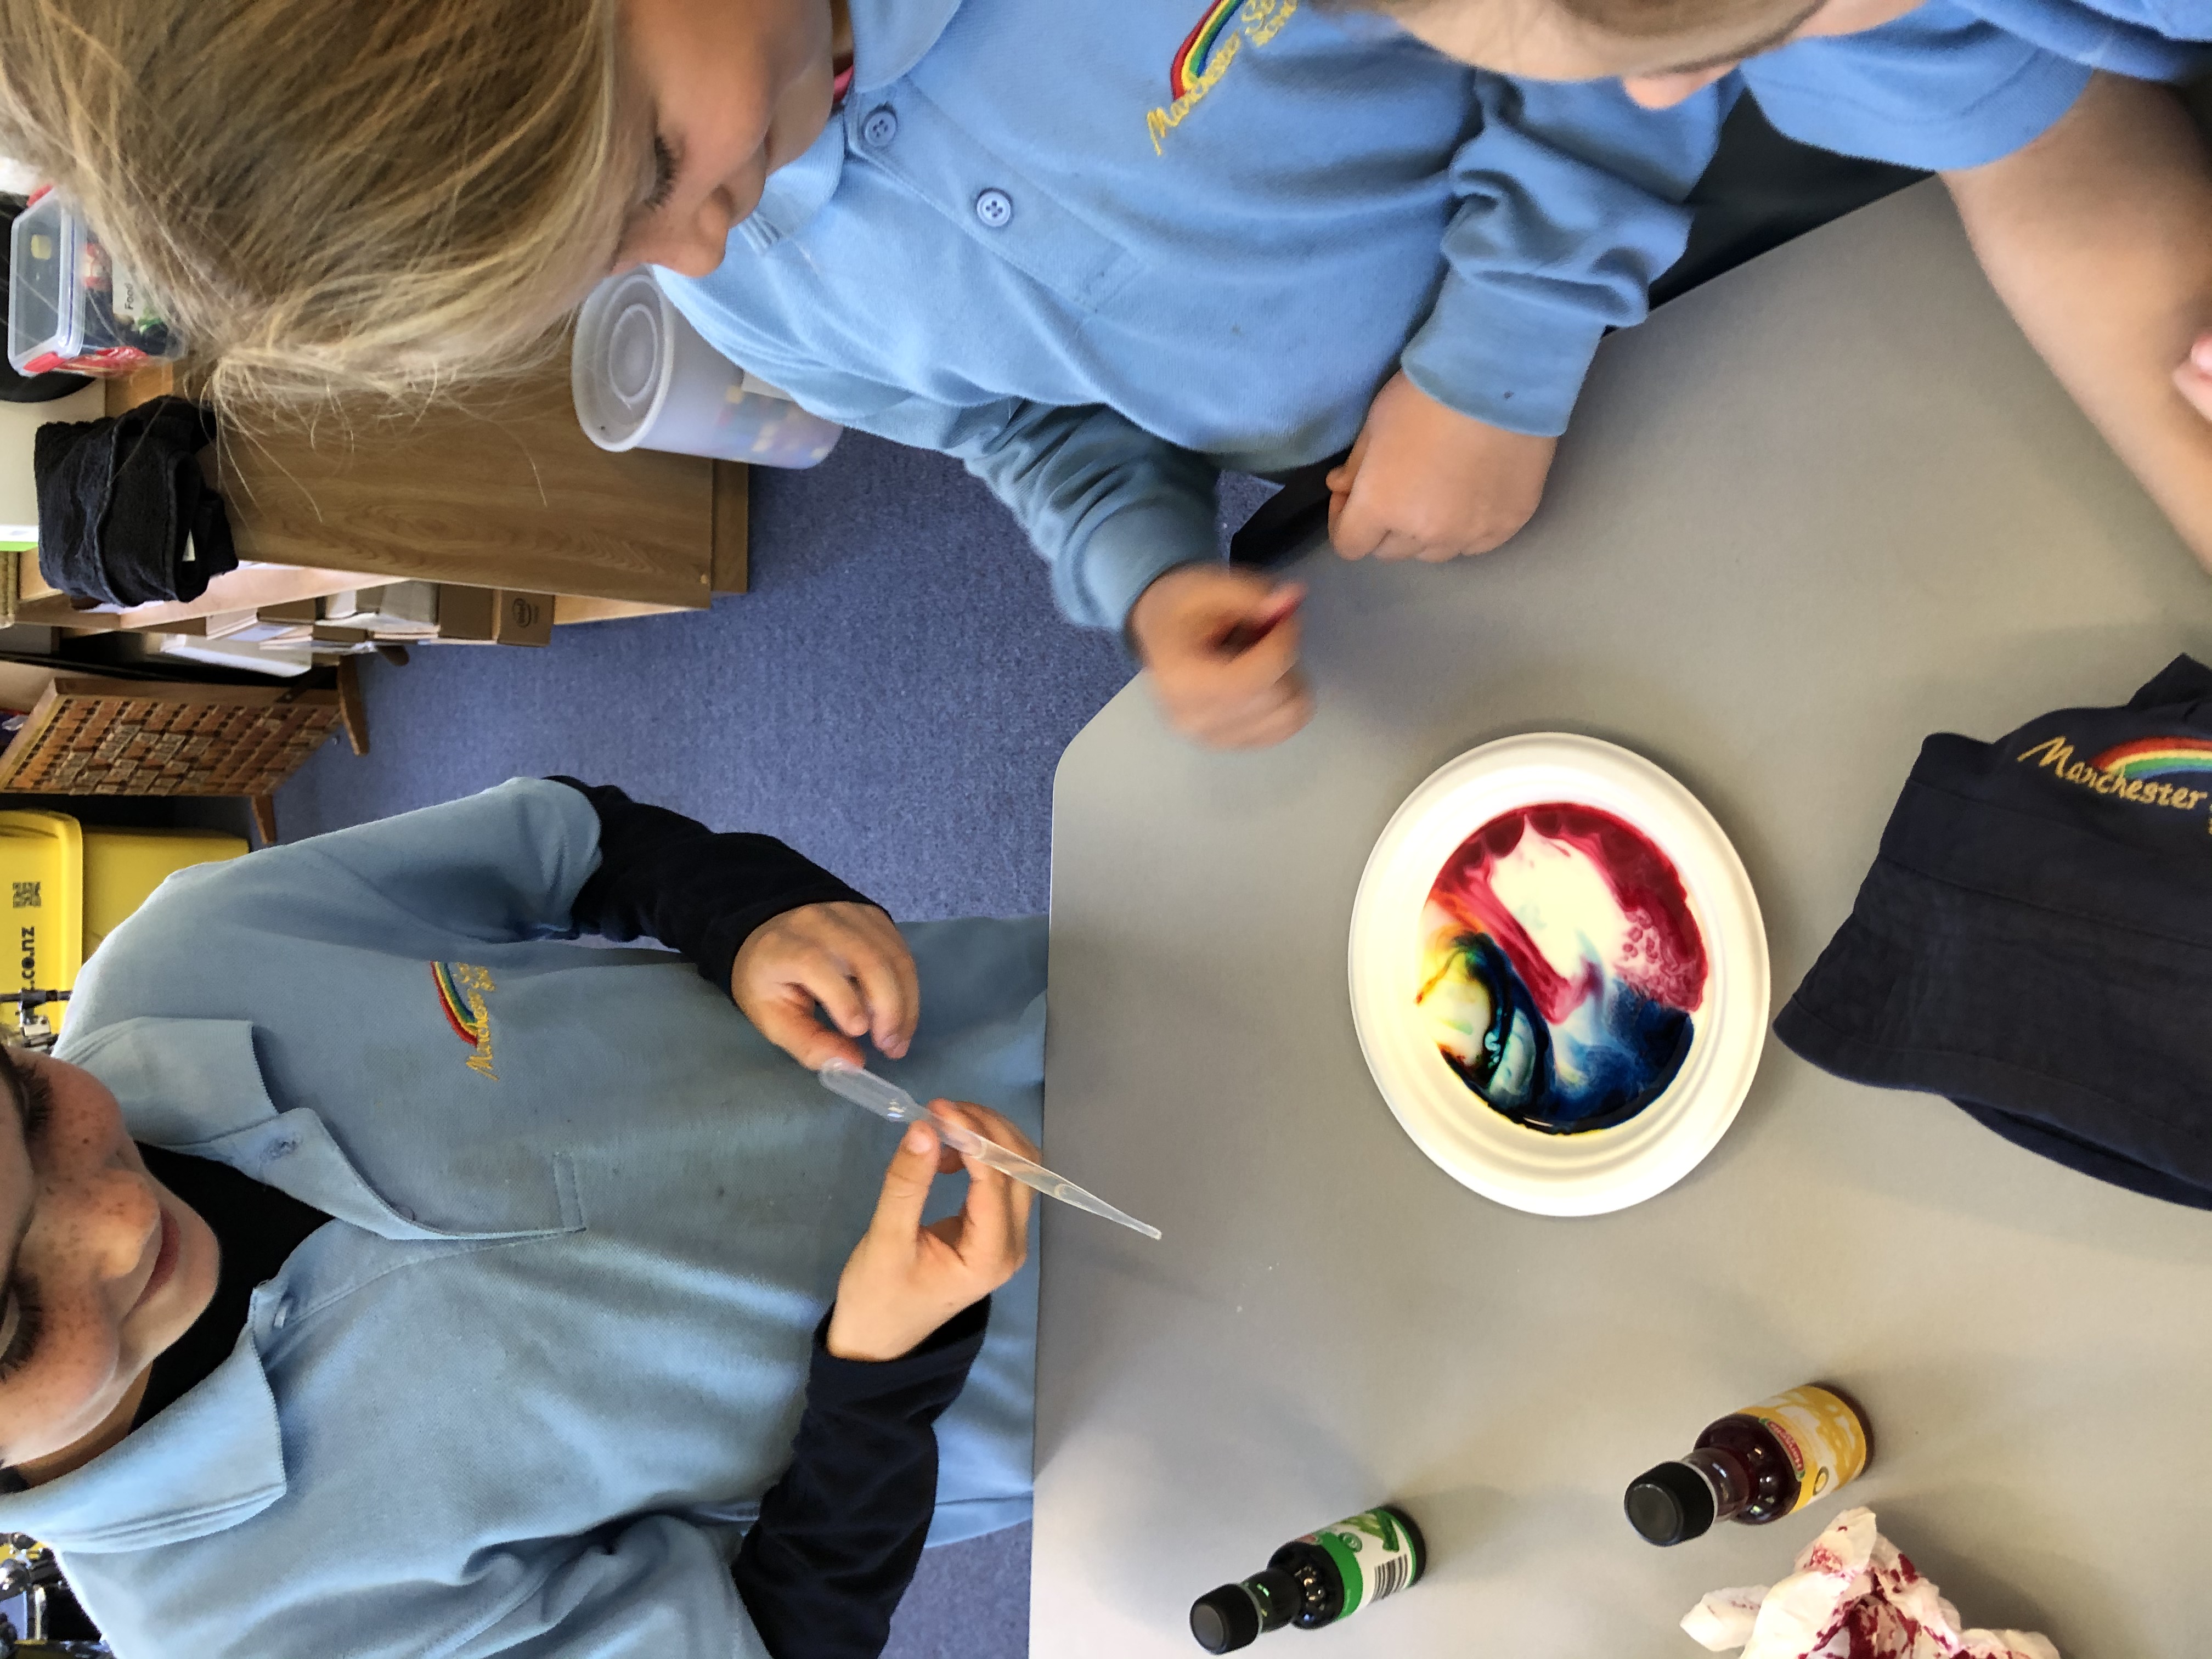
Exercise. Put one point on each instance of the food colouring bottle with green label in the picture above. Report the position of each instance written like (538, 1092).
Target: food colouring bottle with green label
(1753, 1466)
(1315, 1580)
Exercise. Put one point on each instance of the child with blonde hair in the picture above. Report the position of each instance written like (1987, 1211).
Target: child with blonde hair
(1099, 253)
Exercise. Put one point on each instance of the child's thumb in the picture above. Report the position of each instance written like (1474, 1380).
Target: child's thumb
(907, 1182)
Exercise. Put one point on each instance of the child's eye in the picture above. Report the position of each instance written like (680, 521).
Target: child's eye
(664, 175)
(21, 1322)
(38, 1105)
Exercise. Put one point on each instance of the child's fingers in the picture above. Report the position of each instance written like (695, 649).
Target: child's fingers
(890, 995)
(1280, 606)
(1341, 478)
(1006, 1211)
(909, 984)
(990, 1125)
(907, 1184)
(1282, 719)
(993, 1230)
(1264, 662)
(827, 977)
(1357, 529)
(1253, 722)
(1253, 717)
(790, 1024)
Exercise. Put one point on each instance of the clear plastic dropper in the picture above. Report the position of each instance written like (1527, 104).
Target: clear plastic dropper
(886, 1099)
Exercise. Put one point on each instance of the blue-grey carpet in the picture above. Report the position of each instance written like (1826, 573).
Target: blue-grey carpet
(890, 698)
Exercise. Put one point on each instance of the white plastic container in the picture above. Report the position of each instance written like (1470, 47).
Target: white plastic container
(645, 379)
(71, 305)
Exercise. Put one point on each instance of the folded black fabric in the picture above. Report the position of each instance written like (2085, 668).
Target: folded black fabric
(2035, 940)
(122, 501)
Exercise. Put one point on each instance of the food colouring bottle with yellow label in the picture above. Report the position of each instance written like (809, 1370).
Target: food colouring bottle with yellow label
(1315, 1580)
(1753, 1466)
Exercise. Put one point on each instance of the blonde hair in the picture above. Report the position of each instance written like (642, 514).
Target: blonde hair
(1641, 20)
(1660, 19)
(333, 196)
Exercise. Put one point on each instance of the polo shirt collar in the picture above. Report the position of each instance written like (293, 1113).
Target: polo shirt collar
(211, 1459)
(890, 36)
(195, 1087)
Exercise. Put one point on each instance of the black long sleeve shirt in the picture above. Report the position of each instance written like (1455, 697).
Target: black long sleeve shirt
(840, 1533)
(666, 876)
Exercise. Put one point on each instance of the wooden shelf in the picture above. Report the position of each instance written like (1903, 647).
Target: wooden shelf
(498, 490)
(243, 589)
(505, 493)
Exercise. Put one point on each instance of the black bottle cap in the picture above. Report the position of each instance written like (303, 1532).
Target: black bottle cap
(1225, 1619)
(1670, 1504)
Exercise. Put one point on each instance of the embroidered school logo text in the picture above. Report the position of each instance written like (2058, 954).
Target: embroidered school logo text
(2136, 770)
(1206, 53)
(462, 988)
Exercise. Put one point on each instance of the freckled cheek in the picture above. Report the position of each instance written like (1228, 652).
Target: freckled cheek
(94, 1235)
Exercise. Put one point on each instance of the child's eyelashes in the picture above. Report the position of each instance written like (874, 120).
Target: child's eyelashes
(33, 1096)
(664, 175)
(22, 1322)
(38, 1104)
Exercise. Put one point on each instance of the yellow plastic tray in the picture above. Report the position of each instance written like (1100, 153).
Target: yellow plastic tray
(42, 878)
(122, 868)
(69, 887)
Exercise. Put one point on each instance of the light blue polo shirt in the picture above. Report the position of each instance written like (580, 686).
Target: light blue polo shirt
(522, 1394)
(1100, 252)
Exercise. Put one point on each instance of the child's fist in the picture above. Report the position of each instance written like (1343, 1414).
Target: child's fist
(1222, 646)
(904, 1280)
(2194, 377)
(848, 958)
(1425, 482)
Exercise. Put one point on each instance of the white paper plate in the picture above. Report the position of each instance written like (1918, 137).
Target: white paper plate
(1596, 1170)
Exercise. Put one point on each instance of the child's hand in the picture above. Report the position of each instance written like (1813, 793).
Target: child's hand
(904, 1280)
(2194, 377)
(1425, 482)
(1222, 646)
(847, 957)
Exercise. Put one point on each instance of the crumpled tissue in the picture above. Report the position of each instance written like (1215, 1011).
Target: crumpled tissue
(1853, 1596)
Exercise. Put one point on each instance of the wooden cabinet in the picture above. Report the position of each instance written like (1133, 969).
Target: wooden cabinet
(498, 488)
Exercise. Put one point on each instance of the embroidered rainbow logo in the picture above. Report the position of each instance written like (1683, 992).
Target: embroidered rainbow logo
(1198, 46)
(2157, 757)
(470, 1018)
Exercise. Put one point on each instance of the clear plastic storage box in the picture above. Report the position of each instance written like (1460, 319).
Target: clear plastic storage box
(72, 306)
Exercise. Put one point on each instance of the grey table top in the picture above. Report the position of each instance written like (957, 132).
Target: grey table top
(1810, 513)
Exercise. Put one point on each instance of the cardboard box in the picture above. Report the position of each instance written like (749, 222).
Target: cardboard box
(394, 608)
(493, 616)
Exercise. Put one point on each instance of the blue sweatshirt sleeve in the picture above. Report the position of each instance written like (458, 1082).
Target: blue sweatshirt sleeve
(1941, 88)
(1108, 505)
(1570, 206)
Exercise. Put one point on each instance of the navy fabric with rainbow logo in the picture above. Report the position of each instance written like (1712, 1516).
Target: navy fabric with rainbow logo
(2035, 940)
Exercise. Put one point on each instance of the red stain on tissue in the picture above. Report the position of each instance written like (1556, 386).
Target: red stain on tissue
(1853, 1596)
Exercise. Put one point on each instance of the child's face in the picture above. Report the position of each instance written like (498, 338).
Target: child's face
(103, 1267)
(721, 93)
(1540, 40)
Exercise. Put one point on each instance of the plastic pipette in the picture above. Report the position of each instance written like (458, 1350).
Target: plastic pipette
(887, 1099)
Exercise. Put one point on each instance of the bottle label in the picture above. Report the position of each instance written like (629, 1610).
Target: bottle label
(1373, 1554)
(1821, 1436)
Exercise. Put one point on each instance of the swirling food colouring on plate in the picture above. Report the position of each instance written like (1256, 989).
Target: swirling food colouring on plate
(1562, 970)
